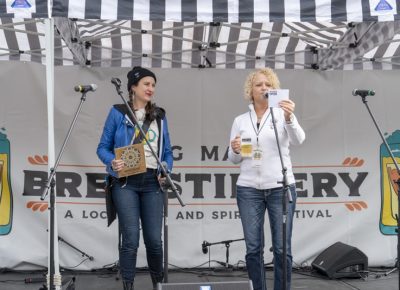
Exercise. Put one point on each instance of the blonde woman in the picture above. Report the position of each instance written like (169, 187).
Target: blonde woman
(258, 187)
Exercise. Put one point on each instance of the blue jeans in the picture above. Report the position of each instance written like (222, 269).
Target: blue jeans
(252, 204)
(139, 197)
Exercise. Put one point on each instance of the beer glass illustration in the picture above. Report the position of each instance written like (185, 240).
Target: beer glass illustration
(6, 201)
(389, 189)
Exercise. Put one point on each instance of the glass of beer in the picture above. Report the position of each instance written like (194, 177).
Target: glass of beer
(246, 148)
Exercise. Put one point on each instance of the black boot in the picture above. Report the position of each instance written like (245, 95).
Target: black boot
(128, 285)
(155, 279)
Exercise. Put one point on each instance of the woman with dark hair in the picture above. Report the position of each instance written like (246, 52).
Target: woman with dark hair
(138, 199)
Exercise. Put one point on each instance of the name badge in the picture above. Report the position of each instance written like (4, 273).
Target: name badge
(257, 157)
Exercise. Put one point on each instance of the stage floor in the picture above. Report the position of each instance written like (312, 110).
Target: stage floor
(109, 280)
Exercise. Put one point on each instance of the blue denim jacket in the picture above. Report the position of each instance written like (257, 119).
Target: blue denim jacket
(118, 131)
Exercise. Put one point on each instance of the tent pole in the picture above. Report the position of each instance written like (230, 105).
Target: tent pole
(54, 277)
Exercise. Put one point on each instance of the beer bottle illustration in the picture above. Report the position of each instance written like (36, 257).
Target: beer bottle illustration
(6, 201)
(389, 190)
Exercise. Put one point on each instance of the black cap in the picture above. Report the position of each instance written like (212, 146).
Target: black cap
(137, 73)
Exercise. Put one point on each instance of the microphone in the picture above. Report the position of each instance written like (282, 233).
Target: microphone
(363, 93)
(116, 81)
(85, 88)
(266, 95)
(204, 248)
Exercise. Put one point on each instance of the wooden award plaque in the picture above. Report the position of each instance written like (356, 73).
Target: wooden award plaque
(134, 158)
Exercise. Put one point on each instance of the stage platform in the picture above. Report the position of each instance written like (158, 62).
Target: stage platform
(106, 279)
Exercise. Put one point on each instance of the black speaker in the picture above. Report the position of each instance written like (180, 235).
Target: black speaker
(234, 285)
(341, 261)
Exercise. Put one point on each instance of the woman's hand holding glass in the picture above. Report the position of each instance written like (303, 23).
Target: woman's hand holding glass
(236, 144)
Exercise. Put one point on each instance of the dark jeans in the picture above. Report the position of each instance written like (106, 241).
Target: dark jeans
(252, 205)
(139, 197)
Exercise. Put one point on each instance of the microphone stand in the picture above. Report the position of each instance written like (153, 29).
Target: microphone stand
(55, 280)
(164, 173)
(91, 258)
(287, 196)
(363, 96)
(43, 279)
(205, 245)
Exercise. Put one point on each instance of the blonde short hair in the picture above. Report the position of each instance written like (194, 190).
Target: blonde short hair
(248, 85)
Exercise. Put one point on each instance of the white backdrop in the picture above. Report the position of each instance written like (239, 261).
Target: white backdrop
(338, 168)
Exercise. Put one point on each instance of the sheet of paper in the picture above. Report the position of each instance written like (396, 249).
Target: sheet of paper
(275, 96)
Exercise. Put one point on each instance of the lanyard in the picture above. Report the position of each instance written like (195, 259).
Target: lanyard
(262, 126)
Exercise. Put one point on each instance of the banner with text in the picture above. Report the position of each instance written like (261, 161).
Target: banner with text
(345, 178)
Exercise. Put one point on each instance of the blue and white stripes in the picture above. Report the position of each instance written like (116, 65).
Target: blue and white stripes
(222, 10)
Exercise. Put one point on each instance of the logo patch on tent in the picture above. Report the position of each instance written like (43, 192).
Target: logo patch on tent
(21, 4)
(383, 8)
(383, 5)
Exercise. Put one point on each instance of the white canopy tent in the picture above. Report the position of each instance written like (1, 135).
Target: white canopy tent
(209, 34)
(303, 34)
